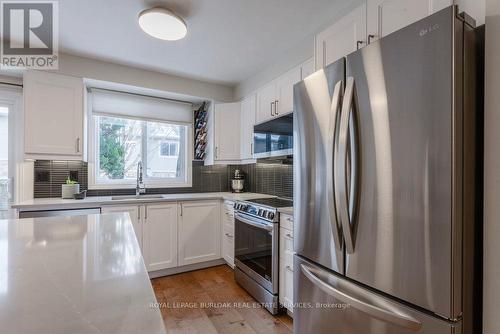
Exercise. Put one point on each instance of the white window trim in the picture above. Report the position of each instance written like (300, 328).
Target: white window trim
(131, 184)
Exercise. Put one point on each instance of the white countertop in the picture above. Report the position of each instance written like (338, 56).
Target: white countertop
(97, 201)
(81, 274)
(286, 210)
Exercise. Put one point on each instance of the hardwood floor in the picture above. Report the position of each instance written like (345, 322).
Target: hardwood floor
(209, 301)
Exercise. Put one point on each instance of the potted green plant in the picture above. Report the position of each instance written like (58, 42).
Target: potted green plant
(70, 188)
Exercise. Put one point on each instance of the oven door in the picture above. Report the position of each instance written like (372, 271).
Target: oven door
(256, 250)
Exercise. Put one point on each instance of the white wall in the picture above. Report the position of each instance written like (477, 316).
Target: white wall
(132, 77)
(106, 71)
(491, 303)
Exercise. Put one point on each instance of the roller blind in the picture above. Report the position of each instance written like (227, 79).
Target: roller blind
(112, 103)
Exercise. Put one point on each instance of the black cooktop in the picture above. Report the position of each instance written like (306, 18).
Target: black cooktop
(273, 202)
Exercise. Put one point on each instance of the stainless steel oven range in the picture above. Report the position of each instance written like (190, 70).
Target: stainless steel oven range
(256, 249)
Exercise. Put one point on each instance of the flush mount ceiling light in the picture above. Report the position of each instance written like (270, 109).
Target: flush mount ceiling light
(163, 24)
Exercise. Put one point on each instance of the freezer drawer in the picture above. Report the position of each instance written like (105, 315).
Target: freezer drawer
(327, 303)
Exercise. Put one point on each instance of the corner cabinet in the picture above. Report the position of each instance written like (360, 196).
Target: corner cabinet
(54, 116)
(198, 231)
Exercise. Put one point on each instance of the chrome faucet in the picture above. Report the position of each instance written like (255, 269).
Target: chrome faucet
(139, 188)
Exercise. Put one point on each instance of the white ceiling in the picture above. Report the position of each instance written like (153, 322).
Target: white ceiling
(227, 41)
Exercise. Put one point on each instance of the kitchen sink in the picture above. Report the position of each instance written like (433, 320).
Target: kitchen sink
(117, 198)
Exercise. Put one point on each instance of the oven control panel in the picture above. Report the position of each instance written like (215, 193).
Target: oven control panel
(261, 211)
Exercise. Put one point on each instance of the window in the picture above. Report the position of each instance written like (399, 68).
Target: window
(118, 142)
(169, 149)
(5, 195)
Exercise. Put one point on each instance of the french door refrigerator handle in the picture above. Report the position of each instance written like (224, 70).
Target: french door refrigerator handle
(344, 202)
(335, 110)
(372, 305)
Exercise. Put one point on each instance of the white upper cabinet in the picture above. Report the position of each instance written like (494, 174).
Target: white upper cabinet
(284, 90)
(227, 132)
(387, 16)
(160, 236)
(266, 100)
(342, 38)
(307, 68)
(199, 232)
(53, 116)
(276, 98)
(248, 107)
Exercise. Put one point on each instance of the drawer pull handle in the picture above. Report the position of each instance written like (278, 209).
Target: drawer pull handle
(289, 235)
(228, 235)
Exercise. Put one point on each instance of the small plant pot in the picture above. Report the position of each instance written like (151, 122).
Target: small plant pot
(68, 190)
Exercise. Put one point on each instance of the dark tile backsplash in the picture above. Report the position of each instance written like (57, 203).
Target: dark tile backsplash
(272, 179)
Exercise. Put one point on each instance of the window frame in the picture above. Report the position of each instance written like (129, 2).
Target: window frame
(94, 183)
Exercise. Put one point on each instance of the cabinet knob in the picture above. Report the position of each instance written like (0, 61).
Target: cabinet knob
(289, 268)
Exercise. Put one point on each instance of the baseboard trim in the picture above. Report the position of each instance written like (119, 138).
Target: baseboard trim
(183, 269)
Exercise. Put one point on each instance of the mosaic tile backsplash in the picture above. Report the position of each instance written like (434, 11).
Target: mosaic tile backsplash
(272, 179)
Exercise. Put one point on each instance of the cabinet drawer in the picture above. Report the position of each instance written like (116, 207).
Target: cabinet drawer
(286, 244)
(286, 221)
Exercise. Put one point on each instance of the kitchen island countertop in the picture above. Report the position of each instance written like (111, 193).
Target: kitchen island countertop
(82, 274)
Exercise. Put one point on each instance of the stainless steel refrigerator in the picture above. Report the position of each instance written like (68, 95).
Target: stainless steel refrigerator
(387, 177)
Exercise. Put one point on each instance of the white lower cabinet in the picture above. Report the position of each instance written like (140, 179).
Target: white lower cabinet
(155, 227)
(160, 236)
(198, 231)
(286, 263)
(228, 233)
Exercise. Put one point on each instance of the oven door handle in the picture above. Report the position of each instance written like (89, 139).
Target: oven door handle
(254, 223)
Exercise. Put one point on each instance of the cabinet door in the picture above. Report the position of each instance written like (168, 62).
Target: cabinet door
(341, 38)
(53, 111)
(228, 233)
(284, 88)
(199, 231)
(247, 123)
(387, 16)
(160, 236)
(227, 131)
(307, 68)
(228, 244)
(266, 97)
(135, 215)
(286, 284)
